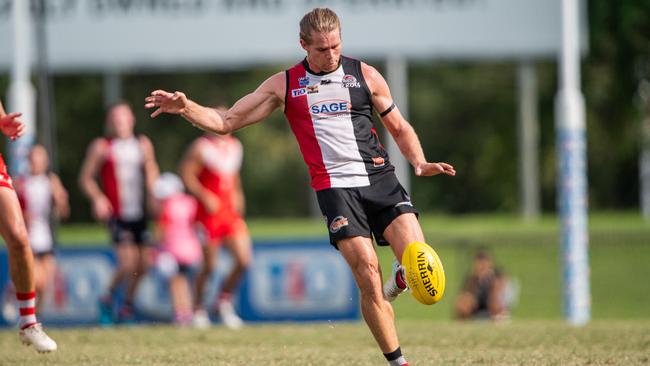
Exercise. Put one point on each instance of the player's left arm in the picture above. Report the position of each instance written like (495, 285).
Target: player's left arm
(60, 197)
(239, 200)
(400, 128)
(151, 170)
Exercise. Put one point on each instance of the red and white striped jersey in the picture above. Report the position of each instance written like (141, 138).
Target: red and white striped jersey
(36, 198)
(331, 117)
(123, 177)
(221, 158)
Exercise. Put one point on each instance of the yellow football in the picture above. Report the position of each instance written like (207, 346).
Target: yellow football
(424, 273)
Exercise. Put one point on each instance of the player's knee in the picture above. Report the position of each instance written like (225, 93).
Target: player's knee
(368, 276)
(243, 263)
(17, 238)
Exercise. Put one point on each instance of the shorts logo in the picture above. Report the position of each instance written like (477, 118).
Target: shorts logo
(298, 92)
(312, 89)
(330, 107)
(378, 162)
(350, 81)
(303, 81)
(338, 223)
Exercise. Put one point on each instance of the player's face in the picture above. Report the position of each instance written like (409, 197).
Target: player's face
(121, 121)
(324, 51)
(38, 160)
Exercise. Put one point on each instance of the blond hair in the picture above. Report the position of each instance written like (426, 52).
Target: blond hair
(320, 20)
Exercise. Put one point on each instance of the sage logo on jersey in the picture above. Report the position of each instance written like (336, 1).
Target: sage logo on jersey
(349, 81)
(303, 81)
(330, 107)
(338, 223)
(298, 92)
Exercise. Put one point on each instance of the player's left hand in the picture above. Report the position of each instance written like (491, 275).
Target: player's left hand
(11, 126)
(429, 169)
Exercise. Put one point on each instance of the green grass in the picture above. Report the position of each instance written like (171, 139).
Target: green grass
(423, 342)
(528, 251)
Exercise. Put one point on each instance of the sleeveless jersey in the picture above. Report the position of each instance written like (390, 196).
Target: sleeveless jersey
(123, 178)
(331, 117)
(221, 158)
(5, 179)
(35, 195)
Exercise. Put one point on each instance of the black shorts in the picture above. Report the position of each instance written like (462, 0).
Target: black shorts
(364, 211)
(123, 231)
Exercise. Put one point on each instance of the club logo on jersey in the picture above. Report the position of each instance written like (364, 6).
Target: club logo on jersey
(338, 223)
(349, 81)
(312, 89)
(303, 81)
(298, 92)
(330, 107)
(378, 162)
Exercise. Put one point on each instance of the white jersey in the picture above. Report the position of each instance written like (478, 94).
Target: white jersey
(123, 178)
(36, 198)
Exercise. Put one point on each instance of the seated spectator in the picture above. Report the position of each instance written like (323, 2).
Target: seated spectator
(484, 291)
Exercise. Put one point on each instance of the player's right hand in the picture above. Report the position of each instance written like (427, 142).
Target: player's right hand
(210, 202)
(102, 209)
(166, 102)
(11, 126)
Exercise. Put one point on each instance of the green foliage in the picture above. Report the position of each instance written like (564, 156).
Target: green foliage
(465, 113)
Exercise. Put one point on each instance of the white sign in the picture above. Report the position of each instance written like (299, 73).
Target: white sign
(142, 35)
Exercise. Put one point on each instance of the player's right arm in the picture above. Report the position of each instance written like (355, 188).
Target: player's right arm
(102, 208)
(189, 169)
(250, 109)
(10, 125)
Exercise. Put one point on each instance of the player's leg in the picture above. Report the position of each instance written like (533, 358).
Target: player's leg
(201, 319)
(377, 312)
(127, 264)
(21, 270)
(142, 253)
(44, 271)
(140, 266)
(402, 231)
(240, 248)
(179, 289)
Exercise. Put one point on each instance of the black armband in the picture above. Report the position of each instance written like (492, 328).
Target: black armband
(390, 109)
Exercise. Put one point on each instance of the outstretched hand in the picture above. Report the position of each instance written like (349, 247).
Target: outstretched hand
(11, 126)
(429, 169)
(166, 102)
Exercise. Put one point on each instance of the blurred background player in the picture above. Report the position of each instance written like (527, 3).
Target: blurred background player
(181, 249)
(42, 197)
(210, 170)
(484, 290)
(127, 168)
(21, 259)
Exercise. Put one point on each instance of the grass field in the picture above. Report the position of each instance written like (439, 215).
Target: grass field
(424, 342)
(529, 252)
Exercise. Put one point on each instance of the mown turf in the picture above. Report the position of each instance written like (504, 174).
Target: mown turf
(424, 343)
(527, 251)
